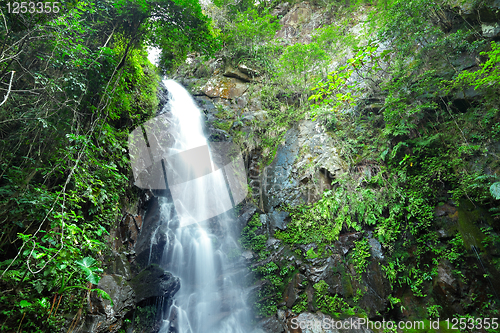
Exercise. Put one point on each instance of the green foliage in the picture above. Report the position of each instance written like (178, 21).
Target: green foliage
(415, 149)
(311, 254)
(300, 64)
(89, 267)
(177, 27)
(300, 305)
(80, 84)
(340, 90)
(360, 256)
(247, 39)
(332, 305)
(223, 125)
(495, 190)
(266, 303)
(249, 240)
(433, 310)
(486, 78)
(234, 8)
(348, 206)
(144, 318)
(336, 38)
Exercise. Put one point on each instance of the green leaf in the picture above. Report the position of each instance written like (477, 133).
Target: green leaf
(88, 266)
(24, 304)
(103, 294)
(495, 190)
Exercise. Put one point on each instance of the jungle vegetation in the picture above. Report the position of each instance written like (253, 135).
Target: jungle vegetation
(426, 128)
(73, 84)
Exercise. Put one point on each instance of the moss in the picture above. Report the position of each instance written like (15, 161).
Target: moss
(223, 113)
(225, 126)
(471, 234)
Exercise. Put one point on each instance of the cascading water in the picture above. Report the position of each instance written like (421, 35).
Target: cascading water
(211, 297)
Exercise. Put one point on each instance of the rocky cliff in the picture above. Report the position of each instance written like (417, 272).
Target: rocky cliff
(358, 272)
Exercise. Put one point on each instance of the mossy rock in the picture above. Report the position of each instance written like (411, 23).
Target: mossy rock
(225, 126)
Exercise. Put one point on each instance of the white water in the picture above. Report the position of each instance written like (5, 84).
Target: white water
(211, 297)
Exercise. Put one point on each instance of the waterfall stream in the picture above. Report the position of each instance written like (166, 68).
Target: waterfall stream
(211, 297)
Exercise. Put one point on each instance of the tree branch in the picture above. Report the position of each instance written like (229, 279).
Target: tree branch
(8, 91)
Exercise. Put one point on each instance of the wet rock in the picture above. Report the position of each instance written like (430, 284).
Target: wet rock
(153, 244)
(277, 181)
(247, 256)
(152, 221)
(377, 288)
(375, 248)
(162, 95)
(246, 213)
(103, 316)
(218, 135)
(119, 264)
(252, 293)
(224, 87)
(446, 289)
(205, 104)
(278, 220)
(346, 241)
(291, 293)
(491, 29)
(272, 325)
(317, 273)
(338, 277)
(273, 244)
(154, 282)
(128, 230)
(445, 209)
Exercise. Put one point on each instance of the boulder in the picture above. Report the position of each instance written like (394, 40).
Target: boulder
(224, 87)
(272, 325)
(308, 153)
(236, 73)
(377, 288)
(153, 283)
(248, 71)
(103, 316)
(278, 220)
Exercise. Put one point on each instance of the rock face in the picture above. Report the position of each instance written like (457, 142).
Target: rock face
(151, 286)
(292, 177)
(153, 238)
(224, 87)
(298, 22)
(153, 283)
(305, 164)
(105, 317)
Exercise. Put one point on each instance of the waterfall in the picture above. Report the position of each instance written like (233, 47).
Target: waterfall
(211, 297)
